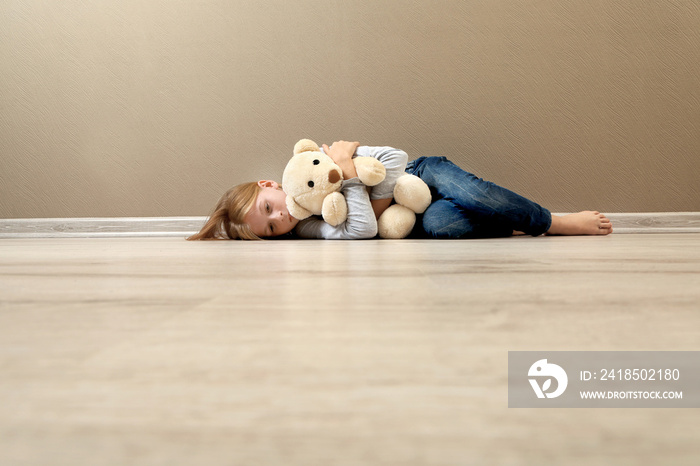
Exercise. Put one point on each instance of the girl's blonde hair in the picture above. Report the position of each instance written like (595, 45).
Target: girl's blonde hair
(226, 222)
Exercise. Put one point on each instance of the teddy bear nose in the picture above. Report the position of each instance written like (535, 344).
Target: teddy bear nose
(333, 176)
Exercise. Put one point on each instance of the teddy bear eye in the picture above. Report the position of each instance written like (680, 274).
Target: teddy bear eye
(311, 184)
(316, 162)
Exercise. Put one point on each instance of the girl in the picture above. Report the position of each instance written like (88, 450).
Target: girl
(463, 206)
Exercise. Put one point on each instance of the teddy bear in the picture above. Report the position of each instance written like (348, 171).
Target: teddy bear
(312, 182)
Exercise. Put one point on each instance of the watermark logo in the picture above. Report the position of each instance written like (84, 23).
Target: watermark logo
(546, 372)
(603, 379)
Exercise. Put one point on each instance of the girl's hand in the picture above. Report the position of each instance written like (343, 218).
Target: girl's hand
(341, 152)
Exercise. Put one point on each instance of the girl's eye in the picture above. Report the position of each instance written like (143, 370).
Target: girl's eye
(267, 208)
(272, 228)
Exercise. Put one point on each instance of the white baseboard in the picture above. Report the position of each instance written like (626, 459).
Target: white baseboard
(643, 222)
(655, 222)
(94, 227)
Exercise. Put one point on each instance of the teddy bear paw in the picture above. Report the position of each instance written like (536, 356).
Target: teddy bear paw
(334, 209)
(370, 170)
(412, 192)
(396, 222)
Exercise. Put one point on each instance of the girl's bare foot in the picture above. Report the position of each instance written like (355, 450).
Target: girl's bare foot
(582, 223)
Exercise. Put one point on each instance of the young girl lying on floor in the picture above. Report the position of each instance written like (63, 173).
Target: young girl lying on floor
(463, 206)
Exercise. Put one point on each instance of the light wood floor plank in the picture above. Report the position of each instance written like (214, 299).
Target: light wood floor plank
(161, 351)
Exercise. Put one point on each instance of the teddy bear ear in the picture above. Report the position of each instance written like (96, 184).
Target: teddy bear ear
(305, 145)
(296, 210)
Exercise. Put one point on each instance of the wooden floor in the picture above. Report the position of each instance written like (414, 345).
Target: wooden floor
(165, 352)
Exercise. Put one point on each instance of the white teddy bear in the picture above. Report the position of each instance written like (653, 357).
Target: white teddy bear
(312, 182)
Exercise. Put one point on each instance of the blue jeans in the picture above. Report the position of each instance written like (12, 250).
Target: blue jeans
(465, 206)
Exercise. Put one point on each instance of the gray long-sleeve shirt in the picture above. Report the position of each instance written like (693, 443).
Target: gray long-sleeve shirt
(360, 223)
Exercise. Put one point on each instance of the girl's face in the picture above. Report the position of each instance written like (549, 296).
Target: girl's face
(269, 215)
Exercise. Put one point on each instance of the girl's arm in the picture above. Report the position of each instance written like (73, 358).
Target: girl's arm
(380, 205)
(394, 161)
(342, 153)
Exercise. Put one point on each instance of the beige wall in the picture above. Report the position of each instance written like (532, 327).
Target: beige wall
(154, 108)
